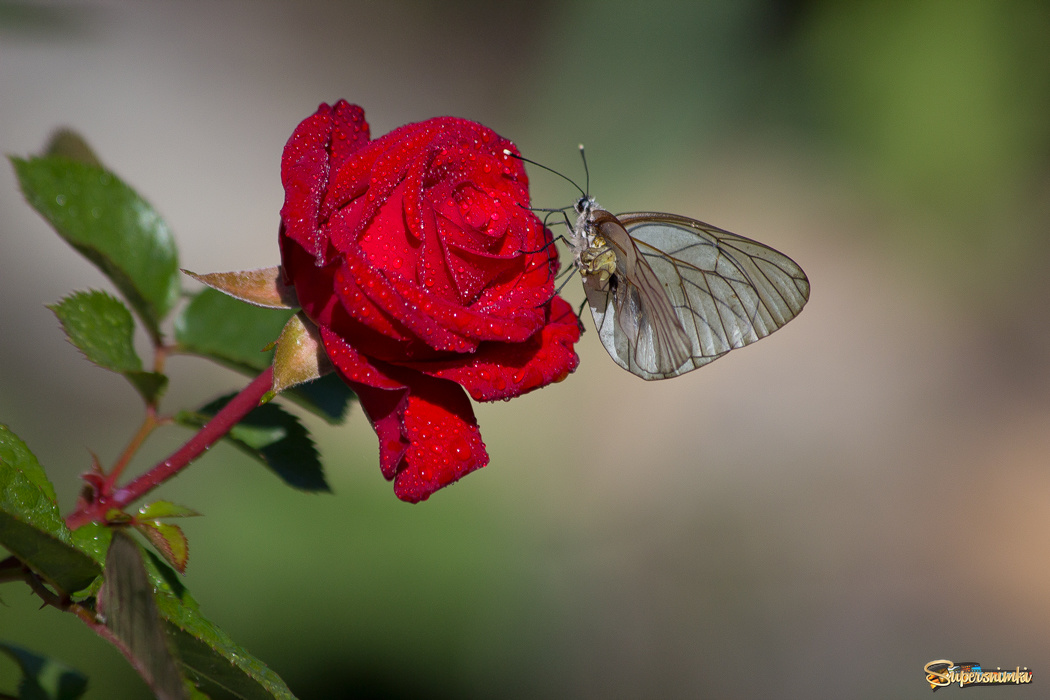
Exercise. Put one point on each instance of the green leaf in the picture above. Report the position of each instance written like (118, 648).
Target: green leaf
(15, 454)
(272, 436)
(131, 614)
(208, 656)
(31, 527)
(101, 327)
(93, 540)
(217, 665)
(110, 225)
(233, 332)
(239, 335)
(44, 678)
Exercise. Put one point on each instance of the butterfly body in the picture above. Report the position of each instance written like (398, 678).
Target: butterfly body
(669, 294)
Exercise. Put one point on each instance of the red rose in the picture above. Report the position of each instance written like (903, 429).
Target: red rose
(416, 256)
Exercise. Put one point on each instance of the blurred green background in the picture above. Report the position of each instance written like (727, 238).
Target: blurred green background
(817, 516)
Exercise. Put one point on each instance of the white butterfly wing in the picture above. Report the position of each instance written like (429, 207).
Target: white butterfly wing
(687, 293)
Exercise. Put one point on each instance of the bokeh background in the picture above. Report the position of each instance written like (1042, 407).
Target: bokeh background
(816, 516)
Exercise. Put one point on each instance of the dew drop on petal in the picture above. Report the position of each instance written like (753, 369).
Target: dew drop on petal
(460, 449)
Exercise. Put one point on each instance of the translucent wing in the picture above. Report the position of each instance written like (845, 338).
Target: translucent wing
(685, 293)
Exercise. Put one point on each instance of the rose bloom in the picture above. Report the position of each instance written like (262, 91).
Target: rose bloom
(428, 277)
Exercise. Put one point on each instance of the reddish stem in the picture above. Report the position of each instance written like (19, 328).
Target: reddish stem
(238, 407)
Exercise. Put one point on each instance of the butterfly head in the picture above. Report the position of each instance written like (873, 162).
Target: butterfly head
(585, 205)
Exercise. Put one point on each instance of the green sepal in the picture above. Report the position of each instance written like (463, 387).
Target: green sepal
(273, 437)
(300, 355)
(109, 224)
(263, 287)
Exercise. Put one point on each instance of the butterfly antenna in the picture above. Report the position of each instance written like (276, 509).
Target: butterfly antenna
(586, 172)
(512, 154)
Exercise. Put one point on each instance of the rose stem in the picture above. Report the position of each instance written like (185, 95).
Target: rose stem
(238, 407)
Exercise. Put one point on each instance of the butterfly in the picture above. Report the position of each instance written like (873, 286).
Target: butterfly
(669, 294)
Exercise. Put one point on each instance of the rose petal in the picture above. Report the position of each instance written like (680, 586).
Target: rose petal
(349, 131)
(399, 300)
(444, 441)
(304, 172)
(503, 370)
(428, 436)
(355, 367)
(332, 132)
(385, 410)
(350, 313)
